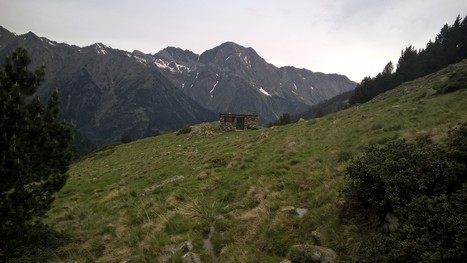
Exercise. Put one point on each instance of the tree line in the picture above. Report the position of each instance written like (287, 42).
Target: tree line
(450, 46)
(35, 152)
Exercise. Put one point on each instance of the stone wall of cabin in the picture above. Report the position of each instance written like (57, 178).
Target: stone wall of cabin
(250, 122)
(227, 126)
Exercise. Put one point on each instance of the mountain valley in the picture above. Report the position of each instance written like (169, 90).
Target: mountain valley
(107, 93)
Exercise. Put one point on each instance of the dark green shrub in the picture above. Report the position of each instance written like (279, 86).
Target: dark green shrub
(37, 246)
(434, 230)
(386, 178)
(344, 156)
(458, 143)
(456, 81)
(284, 119)
(424, 185)
(184, 130)
(126, 138)
(35, 150)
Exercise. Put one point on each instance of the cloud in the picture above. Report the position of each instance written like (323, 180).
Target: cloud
(356, 38)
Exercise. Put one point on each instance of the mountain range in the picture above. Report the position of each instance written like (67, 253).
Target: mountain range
(108, 92)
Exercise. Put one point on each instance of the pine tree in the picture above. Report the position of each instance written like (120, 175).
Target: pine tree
(408, 65)
(34, 148)
(450, 46)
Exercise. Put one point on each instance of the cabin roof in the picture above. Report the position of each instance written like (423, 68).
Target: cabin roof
(237, 115)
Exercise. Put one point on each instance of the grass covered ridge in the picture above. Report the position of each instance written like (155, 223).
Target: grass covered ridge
(133, 201)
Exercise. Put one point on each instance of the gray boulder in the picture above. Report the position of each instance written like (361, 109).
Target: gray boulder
(186, 246)
(191, 257)
(316, 235)
(392, 223)
(301, 211)
(166, 254)
(310, 253)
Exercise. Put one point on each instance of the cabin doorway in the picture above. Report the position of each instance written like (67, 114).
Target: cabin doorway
(240, 123)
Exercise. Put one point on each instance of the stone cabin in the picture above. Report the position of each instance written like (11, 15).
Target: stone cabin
(233, 122)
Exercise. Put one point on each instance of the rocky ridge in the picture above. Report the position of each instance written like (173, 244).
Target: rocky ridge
(107, 93)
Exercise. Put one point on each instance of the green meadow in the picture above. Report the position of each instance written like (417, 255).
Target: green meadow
(234, 195)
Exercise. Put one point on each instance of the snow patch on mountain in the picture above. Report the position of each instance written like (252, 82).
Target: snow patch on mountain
(247, 61)
(264, 92)
(161, 63)
(172, 66)
(141, 60)
(100, 48)
(45, 40)
(214, 87)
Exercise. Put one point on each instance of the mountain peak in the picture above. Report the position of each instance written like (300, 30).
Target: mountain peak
(226, 50)
(5, 36)
(4, 31)
(100, 48)
(234, 47)
(231, 44)
(176, 54)
(31, 35)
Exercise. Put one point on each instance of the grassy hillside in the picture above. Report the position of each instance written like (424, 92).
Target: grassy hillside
(236, 192)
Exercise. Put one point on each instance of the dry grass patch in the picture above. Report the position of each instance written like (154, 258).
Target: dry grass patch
(111, 195)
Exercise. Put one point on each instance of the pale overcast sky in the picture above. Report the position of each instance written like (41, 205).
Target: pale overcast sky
(351, 37)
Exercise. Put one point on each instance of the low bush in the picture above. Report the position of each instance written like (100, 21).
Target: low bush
(184, 130)
(126, 138)
(424, 185)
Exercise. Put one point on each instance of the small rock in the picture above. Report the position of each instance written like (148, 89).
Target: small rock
(169, 251)
(392, 223)
(202, 175)
(301, 211)
(310, 253)
(232, 213)
(286, 261)
(191, 257)
(207, 241)
(301, 120)
(316, 235)
(430, 92)
(186, 246)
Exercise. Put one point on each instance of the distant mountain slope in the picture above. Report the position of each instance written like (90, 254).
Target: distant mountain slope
(106, 92)
(251, 196)
(5, 36)
(334, 104)
(232, 78)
